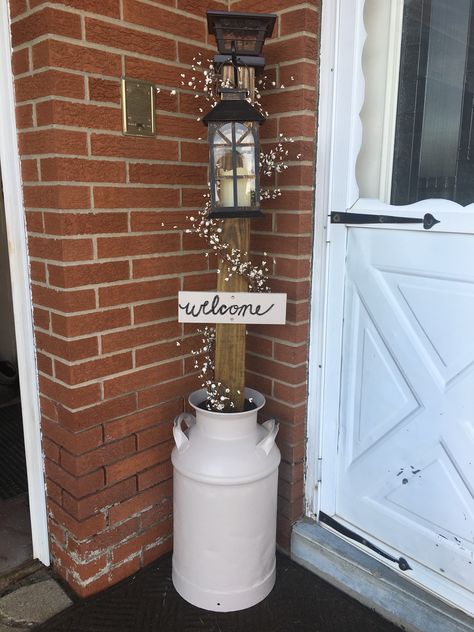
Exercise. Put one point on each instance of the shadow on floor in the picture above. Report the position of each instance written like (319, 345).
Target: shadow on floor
(147, 602)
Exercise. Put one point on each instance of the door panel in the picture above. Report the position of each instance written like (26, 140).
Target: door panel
(406, 439)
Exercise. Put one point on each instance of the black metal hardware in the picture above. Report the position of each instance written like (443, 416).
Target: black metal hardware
(401, 561)
(427, 220)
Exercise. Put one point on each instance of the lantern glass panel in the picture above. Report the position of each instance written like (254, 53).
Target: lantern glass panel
(233, 160)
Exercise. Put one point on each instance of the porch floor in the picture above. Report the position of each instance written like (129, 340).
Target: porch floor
(147, 602)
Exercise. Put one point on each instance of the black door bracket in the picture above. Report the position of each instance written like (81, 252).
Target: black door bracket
(427, 220)
(401, 561)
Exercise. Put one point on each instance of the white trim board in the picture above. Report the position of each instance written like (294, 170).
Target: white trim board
(21, 293)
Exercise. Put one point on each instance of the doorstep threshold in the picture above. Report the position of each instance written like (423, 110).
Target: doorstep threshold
(372, 583)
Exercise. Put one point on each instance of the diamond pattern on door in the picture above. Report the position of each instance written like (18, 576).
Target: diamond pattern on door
(405, 474)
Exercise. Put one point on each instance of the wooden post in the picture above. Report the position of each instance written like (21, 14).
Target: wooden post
(230, 339)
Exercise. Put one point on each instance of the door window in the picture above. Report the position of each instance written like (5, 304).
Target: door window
(434, 144)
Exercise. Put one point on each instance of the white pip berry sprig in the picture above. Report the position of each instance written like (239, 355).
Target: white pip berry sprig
(205, 82)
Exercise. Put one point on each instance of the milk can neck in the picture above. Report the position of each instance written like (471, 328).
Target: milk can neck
(226, 425)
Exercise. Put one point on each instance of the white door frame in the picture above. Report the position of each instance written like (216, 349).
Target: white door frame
(337, 151)
(21, 293)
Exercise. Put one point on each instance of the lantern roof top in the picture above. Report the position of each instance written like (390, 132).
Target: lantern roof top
(233, 107)
(242, 28)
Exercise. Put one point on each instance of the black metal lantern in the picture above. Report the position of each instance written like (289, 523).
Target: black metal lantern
(234, 150)
(240, 35)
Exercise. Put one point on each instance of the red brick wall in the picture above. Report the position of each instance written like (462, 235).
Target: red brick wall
(108, 249)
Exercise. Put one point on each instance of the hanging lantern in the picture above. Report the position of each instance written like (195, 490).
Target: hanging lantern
(234, 150)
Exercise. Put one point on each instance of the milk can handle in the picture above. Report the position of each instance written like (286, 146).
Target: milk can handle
(180, 438)
(267, 442)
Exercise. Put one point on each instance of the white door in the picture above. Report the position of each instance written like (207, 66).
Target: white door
(398, 400)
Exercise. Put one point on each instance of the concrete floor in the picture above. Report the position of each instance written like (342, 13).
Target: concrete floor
(15, 533)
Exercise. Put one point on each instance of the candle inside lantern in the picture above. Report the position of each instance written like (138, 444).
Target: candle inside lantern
(244, 186)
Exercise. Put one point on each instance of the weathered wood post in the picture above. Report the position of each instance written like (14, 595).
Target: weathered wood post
(230, 338)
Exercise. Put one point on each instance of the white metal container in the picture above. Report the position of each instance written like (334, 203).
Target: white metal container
(225, 503)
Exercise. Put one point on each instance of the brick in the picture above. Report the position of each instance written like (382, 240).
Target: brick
(188, 53)
(65, 301)
(200, 282)
(293, 268)
(154, 475)
(195, 6)
(105, 540)
(136, 292)
(291, 354)
(75, 442)
(303, 72)
(71, 397)
(77, 487)
(60, 249)
(80, 529)
(70, 350)
(158, 266)
(160, 19)
(105, 7)
(195, 152)
(157, 549)
(137, 245)
(143, 378)
(80, 170)
(17, 7)
(138, 462)
(88, 274)
(97, 414)
(24, 116)
(104, 90)
(44, 363)
(29, 170)
(161, 74)
(52, 53)
(134, 40)
(50, 449)
(300, 20)
(146, 173)
(56, 196)
(176, 388)
(63, 223)
(158, 353)
(135, 197)
(92, 369)
(292, 395)
(135, 545)
(115, 575)
(161, 221)
(180, 127)
(154, 311)
(158, 512)
(149, 420)
(52, 141)
(141, 501)
(41, 318)
(38, 271)
(20, 61)
(49, 83)
(290, 49)
(47, 21)
(139, 336)
(132, 147)
(90, 323)
(79, 115)
(82, 508)
(79, 465)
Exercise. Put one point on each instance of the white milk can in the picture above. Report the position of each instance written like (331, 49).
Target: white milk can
(225, 504)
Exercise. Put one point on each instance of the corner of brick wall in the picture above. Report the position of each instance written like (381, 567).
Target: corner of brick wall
(278, 357)
(106, 218)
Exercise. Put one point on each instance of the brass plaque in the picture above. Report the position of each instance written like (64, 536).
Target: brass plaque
(138, 107)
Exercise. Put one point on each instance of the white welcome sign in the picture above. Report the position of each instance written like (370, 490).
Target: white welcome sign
(249, 308)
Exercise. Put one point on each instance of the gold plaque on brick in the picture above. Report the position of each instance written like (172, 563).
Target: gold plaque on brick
(138, 107)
